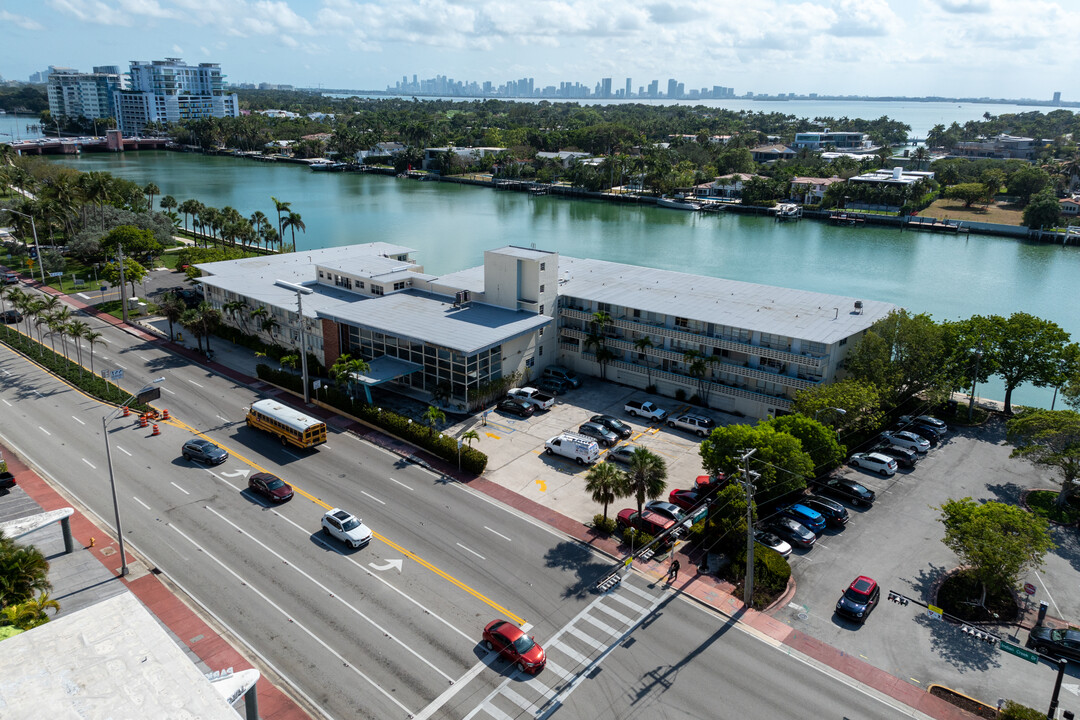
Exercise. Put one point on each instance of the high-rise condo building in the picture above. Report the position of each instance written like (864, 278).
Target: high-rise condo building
(88, 95)
(672, 88)
(170, 90)
(654, 89)
(627, 88)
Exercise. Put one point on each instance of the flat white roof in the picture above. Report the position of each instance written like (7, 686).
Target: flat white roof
(522, 252)
(298, 266)
(110, 660)
(803, 314)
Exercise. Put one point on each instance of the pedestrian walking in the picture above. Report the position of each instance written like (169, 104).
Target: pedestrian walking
(673, 571)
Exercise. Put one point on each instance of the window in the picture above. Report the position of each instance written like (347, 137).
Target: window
(321, 274)
(376, 290)
(843, 341)
(541, 332)
(541, 353)
(637, 313)
(681, 322)
(400, 285)
(541, 288)
(529, 362)
(542, 265)
(359, 284)
(541, 309)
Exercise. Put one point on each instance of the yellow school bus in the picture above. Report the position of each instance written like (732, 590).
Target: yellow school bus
(291, 426)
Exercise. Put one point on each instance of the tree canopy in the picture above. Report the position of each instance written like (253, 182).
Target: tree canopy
(1050, 438)
(780, 460)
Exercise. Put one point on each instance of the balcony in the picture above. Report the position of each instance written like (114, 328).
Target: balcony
(622, 322)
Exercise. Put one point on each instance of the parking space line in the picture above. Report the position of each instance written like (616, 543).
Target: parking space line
(124, 451)
(1057, 610)
(89, 463)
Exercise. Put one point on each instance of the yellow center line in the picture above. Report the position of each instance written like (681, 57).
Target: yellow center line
(407, 553)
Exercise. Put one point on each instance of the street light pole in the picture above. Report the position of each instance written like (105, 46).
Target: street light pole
(1051, 714)
(975, 379)
(300, 292)
(33, 227)
(112, 478)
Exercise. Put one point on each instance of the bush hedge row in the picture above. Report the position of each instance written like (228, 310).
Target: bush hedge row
(67, 370)
(440, 445)
(276, 352)
(771, 573)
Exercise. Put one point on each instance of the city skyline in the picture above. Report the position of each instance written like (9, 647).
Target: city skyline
(950, 48)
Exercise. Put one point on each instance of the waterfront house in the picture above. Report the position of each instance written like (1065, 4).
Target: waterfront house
(850, 141)
(468, 154)
(524, 309)
(563, 157)
(1002, 147)
(811, 190)
(771, 153)
(1070, 206)
(729, 186)
(170, 91)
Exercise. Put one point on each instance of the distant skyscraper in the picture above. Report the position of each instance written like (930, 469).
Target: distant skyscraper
(627, 94)
(672, 88)
(170, 90)
(654, 89)
(1057, 98)
(605, 87)
(90, 95)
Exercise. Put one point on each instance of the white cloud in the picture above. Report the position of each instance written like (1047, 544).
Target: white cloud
(123, 13)
(20, 21)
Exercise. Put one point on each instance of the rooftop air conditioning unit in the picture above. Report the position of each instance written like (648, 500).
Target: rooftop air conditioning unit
(858, 307)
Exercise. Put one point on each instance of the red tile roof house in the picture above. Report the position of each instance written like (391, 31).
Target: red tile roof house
(728, 186)
(1070, 206)
(811, 190)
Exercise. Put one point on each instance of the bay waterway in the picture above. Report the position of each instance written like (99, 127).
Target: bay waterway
(450, 226)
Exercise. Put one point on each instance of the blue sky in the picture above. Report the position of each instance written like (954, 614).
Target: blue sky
(993, 48)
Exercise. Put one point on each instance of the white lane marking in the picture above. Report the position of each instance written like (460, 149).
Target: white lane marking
(294, 457)
(222, 419)
(332, 594)
(325, 446)
(179, 488)
(451, 691)
(372, 497)
(171, 392)
(1056, 609)
(84, 296)
(8, 404)
(89, 463)
(142, 357)
(140, 502)
(77, 420)
(121, 366)
(124, 451)
(194, 383)
(498, 533)
(44, 431)
(402, 484)
(292, 620)
(472, 551)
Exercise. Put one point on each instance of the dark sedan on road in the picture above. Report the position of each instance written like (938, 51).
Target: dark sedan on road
(1055, 642)
(507, 639)
(795, 533)
(845, 489)
(11, 316)
(613, 424)
(270, 487)
(203, 451)
(516, 407)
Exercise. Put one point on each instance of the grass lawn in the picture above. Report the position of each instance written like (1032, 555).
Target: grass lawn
(1001, 213)
(1042, 503)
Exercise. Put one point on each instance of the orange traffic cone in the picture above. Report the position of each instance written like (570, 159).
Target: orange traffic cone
(126, 411)
(165, 414)
(142, 421)
(156, 431)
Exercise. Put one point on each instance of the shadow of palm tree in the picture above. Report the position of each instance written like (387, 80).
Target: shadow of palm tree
(573, 557)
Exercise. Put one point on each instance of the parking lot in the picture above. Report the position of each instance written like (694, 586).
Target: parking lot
(897, 541)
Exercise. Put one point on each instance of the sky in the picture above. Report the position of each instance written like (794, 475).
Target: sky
(952, 48)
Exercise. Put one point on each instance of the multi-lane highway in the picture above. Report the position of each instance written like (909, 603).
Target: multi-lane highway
(392, 630)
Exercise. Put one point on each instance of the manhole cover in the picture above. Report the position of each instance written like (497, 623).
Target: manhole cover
(801, 616)
(108, 551)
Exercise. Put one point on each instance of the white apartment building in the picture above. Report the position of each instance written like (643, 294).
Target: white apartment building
(90, 95)
(852, 141)
(170, 91)
(524, 309)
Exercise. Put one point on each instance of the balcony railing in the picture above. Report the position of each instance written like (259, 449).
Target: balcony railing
(813, 361)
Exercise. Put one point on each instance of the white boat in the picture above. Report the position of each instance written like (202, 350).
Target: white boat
(787, 210)
(678, 204)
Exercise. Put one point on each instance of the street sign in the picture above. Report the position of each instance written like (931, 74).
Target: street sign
(934, 612)
(1029, 588)
(117, 374)
(1019, 652)
(56, 274)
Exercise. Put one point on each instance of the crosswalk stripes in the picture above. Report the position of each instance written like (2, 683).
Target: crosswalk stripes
(572, 653)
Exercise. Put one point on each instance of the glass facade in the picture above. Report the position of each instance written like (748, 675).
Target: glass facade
(440, 365)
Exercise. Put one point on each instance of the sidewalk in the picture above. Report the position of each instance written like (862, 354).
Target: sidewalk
(238, 364)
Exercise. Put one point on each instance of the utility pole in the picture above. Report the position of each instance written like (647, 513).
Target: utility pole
(975, 379)
(748, 484)
(123, 300)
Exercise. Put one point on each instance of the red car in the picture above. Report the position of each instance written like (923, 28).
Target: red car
(512, 643)
(648, 521)
(709, 482)
(687, 499)
(270, 487)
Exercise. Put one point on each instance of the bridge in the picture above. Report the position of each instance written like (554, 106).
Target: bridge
(113, 142)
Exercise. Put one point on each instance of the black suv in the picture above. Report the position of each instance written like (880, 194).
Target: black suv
(835, 514)
(844, 489)
(613, 424)
(904, 458)
(203, 451)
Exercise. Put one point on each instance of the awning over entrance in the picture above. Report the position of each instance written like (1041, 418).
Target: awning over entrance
(384, 369)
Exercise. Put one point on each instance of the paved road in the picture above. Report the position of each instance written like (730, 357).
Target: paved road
(354, 633)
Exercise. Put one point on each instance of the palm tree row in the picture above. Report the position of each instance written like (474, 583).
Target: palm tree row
(644, 478)
(51, 318)
(231, 228)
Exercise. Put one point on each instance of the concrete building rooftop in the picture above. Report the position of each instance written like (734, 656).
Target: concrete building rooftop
(818, 317)
(299, 266)
(522, 252)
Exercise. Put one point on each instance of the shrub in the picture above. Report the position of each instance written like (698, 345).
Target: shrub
(1015, 711)
(771, 572)
(603, 524)
(680, 395)
(442, 446)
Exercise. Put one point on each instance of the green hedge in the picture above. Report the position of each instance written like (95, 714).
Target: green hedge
(771, 572)
(603, 524)
(65, 369)
(472, 460)
(276, 352)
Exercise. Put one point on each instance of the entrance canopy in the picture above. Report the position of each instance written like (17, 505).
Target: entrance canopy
(384, 369)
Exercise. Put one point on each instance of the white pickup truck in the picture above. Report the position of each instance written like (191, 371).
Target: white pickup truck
(540, 400)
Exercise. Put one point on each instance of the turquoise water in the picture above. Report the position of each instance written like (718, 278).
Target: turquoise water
(450, 226)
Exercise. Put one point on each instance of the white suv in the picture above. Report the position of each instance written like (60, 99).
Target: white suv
(875, 462)
(347, 528)
(645, 409)
(698, 424)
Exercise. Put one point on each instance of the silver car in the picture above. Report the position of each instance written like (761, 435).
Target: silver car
(908, 440)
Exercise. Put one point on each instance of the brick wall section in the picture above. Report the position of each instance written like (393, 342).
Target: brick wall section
(331, 341)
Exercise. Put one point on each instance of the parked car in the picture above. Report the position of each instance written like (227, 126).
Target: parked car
(647, 521)
(794, 532)
(11, 316)
(514, 406)
(582, 450)
(904, 457)
(859, 599)
(532, 396)
(11, 278)
(621, 454)
(564, 374)
(710, 483)
(697, 424)
(927, 420)
(644, 408)
(511, 642)
(613, 424)
(203, 451)
(599, 433)
(270, 487)
(926, 433)
(347, 528)
(805, 516)
(554, 386)
(687, 499)
(773, 542)
(906, 439)
(845, 489)
(676, 513)
(835, 514)
(874, 462)
(1055, 642)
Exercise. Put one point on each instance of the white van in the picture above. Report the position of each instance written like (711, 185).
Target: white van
(582, 450)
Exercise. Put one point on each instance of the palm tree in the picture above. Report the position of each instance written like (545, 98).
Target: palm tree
(188, 208)
(190, 322)
(469, 435)
(207, 318)
(605, 483)
(697, 366)
(172, 308)
(647, 476)
(9, 292)
(280, 207)
(432, 417)
(260, 315)
(58, 325)
(76, 330)
(237, 309)
(93, 337)
(24, 572)
(597, 340)
(97, 189)
(150, 191)
(258, 219)
(31, 613)
(642, 344)
(921, 155)
(293, 221)
(345, 367)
